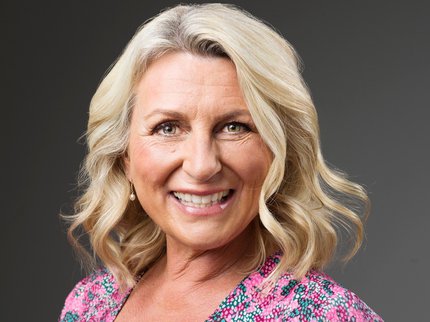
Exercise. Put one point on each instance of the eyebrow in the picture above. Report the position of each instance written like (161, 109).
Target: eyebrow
(180, 115)
(167, 112)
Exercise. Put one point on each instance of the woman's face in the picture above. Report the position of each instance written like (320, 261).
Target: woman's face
(194, 157)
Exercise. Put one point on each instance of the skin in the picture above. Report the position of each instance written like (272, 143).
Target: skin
(191, 132)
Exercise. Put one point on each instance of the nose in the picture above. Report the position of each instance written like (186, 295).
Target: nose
(201, 158)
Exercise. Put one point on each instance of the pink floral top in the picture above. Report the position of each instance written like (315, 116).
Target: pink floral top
(314, 298)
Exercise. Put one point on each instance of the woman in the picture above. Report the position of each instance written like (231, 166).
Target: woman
(207, 197)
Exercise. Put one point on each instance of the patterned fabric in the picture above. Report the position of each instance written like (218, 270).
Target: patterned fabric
(315, 298)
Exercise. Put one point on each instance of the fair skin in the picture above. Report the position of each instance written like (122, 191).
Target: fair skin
(197, 164)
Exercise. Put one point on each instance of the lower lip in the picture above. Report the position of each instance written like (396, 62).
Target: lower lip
(212, 210)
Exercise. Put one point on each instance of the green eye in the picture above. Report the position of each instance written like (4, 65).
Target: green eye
(167, 129)
(236, 127)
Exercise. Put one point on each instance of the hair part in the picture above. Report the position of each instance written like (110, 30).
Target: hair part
(302, 203)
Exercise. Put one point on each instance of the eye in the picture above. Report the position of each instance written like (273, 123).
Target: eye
(236, 127)
(166, 129)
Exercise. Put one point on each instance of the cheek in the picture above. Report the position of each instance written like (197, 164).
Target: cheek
(250, 160)
(151, 161)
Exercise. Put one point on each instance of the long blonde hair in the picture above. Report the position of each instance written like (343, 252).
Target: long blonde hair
(302, 203)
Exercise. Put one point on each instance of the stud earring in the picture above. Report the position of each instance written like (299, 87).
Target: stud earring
(132, 195)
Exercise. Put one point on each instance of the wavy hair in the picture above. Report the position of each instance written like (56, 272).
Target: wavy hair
(303, 202)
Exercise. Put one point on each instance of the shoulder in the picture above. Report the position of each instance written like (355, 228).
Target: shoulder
(97, 297)
(318, 297)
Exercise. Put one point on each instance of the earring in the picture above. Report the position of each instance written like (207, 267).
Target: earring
(132, 195)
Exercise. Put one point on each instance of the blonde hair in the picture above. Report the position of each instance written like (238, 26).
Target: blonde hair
(302, 203)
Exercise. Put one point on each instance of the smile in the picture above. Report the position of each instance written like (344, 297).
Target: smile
(201, 201)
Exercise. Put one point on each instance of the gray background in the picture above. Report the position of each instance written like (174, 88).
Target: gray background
(366, 62)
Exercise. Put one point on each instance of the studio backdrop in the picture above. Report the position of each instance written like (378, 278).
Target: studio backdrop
(367, 66)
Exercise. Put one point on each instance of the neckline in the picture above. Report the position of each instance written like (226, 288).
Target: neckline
(253, 280)
(256, 277)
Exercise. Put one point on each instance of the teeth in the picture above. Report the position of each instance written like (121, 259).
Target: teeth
(215, 197)
(196, 199)
(200, 201)
(206, 199)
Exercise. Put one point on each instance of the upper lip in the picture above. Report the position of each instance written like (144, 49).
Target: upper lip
(200, 192)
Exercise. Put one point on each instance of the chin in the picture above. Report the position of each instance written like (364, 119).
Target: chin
(209, 238)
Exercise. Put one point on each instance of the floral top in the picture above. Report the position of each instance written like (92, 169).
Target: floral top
(314, 298)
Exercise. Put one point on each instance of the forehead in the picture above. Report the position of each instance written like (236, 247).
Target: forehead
(180, 80)
(181, 64)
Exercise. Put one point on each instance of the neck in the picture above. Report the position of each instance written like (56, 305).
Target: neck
(195, 266)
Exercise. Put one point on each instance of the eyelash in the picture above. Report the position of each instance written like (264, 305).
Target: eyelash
(246, 128)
